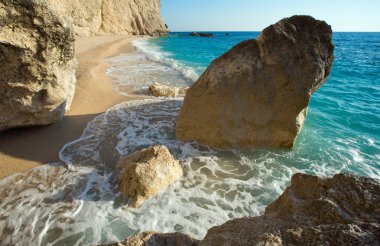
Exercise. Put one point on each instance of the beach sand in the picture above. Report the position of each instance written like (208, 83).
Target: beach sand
(23, 149)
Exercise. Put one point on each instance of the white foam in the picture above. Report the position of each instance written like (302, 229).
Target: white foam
(155, 54)
(51, 204)
(78, 207)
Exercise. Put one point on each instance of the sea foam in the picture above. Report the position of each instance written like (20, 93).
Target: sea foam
(54, 205)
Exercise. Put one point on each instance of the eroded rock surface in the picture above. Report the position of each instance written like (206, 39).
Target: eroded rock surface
(146, 172)
(257, 93)
(37, 64)
(93, 17)
(342, 210)
(159, 90)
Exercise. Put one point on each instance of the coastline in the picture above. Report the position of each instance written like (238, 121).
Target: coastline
(25, 148)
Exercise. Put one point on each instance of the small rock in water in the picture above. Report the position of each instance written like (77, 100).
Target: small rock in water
(158, 239)
(146, 172)
(257, 93)
(200, 34)
(159, 90)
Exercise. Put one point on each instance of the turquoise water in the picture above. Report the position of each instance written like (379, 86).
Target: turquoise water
(80, 205)
(342, 130)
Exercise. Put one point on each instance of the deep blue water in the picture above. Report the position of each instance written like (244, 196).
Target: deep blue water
(342, 131)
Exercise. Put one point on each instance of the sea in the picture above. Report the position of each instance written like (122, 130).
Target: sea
(76, 201)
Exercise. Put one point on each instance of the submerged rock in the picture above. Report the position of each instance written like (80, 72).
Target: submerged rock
(159, 239)
(146, 172)
(159, 90)
(342, 210)
(94, 17)
(257, 93)
(37, 64)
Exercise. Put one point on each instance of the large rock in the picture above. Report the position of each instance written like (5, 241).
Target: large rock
(343, 210)
(37, 65)
(146, 172)
(257, 93)
(93, 17)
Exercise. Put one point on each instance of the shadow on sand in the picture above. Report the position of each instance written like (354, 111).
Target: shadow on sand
(42, 143)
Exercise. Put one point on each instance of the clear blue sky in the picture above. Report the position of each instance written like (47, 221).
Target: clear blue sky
(254, 15)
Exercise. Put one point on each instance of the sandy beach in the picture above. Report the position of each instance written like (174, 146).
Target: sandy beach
(23, 149)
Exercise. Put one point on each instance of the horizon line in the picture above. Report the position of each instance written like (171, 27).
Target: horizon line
(261, 31)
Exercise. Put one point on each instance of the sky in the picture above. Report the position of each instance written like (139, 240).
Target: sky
(255, 15)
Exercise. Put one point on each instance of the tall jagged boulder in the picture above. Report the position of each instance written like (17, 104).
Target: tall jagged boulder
(37, 64)
(93, 17)
(257, 93)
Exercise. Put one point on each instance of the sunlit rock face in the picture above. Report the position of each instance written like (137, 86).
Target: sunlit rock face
(146, 172)
(37, 64)
(94, 17)
(257, 93)
(159, 90)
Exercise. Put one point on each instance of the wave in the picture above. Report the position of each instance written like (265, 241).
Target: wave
(154, 53)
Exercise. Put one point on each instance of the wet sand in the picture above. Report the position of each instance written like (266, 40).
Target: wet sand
(23, 149)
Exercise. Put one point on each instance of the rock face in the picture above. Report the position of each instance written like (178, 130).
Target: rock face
(37, 64)
(158, 90)
(343, 210)
(257, 93)
(93, 17)
(146, 172)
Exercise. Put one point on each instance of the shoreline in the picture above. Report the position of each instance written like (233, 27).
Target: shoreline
(25, 148)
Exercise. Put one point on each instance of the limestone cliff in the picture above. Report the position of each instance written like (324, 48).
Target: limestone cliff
(37, 64)
(96, 17)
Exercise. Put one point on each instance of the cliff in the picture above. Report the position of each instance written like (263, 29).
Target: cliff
(37, 64)
(99, 17)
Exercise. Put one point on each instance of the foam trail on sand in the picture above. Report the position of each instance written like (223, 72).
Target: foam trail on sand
(154, 53)
(53, 205)
(137, 71)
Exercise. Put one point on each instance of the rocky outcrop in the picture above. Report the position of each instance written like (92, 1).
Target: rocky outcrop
(37, 65)
(146, 172)
(158, 90)
(93, 17)
(159, 239)
(257, 93)
(342, 210)
(200, 34)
